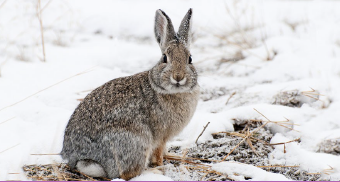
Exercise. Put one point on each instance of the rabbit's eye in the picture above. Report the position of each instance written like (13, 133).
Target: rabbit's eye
(190, 60)
(164, 59)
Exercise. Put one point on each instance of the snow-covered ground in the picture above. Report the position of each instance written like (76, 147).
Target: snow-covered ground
(272, 54)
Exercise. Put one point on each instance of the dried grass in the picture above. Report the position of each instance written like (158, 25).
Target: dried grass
(9, 148)
(201, 166)
(56, 172)
(2, 64)
(39, 11)
(3, 4)
(83, 72)
(205, 127)
(7, 120)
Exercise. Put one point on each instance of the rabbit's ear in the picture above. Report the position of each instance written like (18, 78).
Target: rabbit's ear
(164, 30)
(184, 31)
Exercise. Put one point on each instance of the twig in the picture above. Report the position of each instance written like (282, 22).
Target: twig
(232, 94)
(275, 166)
(310, 93)
(179, 158)
(7, 120)
(279, 123)
(45, 154)
(221, 174)
(85, 91)
(41, 29)
(48, 3)
(276, 122)
(236, 147)
(204, 176)
(285, 142)
(248, 135)
(2, 64)
(3, 3)
(9, 148)
(284, 122)
(83, 72)
(241, 135)
(59, 177)
(237, 23)
(205, 127)
(261, 114)
(250, 144)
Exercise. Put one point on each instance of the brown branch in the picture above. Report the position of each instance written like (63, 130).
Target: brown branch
(295, 140)
(205, 127)
(232, 94)
(275, 166)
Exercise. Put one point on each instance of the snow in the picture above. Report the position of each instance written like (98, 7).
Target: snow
(239, 171)
(114, 38)
(151, 175)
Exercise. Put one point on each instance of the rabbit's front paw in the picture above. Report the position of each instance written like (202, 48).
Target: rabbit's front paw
(157, 157)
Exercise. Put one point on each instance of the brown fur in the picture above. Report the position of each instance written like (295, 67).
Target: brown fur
(126, 122)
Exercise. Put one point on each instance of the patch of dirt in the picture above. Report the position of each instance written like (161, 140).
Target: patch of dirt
(288, 98)
(331, 146)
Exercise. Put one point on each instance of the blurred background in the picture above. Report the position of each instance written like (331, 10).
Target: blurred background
(272, 52)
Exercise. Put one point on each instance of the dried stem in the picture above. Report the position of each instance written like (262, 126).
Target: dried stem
(242, 135)
(248, 135)
(232, 94)
(250, 144)
(6, 120)
(275, 166)
(48, 3)
(83, 72)
(39, 11)
(2, 64)
(282, 143)
(205, 127)
(3, 3)
(9, 148)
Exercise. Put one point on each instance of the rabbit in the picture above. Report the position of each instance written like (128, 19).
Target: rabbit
(122, 127)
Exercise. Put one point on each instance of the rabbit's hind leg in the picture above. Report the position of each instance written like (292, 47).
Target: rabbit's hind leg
(132, 154)
(90, 168)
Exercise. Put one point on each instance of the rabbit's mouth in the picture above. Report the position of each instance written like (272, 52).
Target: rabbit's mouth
(178, 83)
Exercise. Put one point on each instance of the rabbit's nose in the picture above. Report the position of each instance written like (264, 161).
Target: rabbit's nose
(178, 76)
(178, 79)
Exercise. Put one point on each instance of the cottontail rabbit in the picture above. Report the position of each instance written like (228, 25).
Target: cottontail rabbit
(122, 126)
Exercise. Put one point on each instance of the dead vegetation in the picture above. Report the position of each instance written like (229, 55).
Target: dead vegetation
(56, 172)
(330, 146)
(296, 98)
(248, 144)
